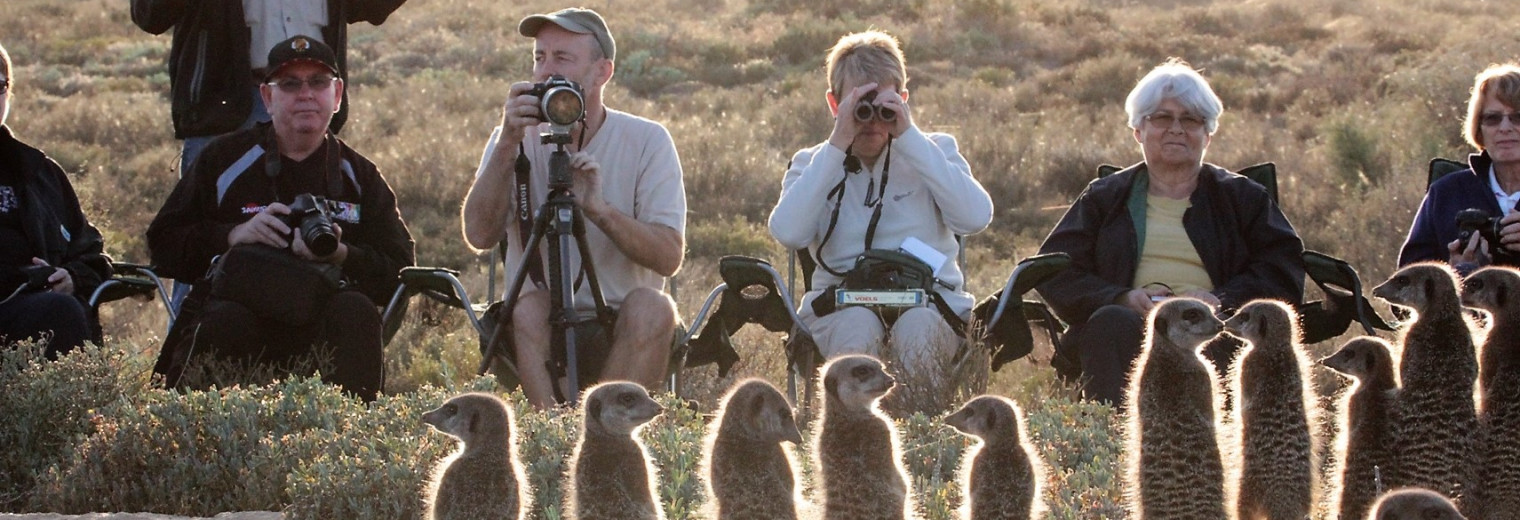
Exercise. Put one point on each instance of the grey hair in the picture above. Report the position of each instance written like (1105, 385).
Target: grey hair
(1177, 80)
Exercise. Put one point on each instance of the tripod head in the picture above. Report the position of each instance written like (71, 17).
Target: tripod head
(560, 180)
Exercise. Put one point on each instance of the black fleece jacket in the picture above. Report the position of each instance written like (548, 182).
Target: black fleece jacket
(55, 227)
(1248, 247)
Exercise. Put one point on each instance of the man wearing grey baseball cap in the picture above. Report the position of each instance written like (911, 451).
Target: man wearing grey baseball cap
(627, 183)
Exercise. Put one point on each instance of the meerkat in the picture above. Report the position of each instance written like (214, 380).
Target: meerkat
(612, 477)
(1174, 467)
(750, 475)
(1275, 441)
(1414, 504)
(1001, 476)
(1437, 369)
(1367, 424)
(1496, 290)
(856, 451)
(484, 478)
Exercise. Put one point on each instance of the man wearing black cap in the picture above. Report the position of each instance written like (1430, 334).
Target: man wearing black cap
(218, 58)
(241, 191)
(628, 185)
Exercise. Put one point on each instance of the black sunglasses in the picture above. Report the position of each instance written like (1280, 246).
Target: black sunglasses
(5, 85)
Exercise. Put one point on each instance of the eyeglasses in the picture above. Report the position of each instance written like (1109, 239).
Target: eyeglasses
(5, 85)
(1496, 119)
(1163, 121)
(293, 85)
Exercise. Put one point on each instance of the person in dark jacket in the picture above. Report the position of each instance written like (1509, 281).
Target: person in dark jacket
(1491, 184)
(217, 59)
(1169, 226)
(50, 255)
(240, 191)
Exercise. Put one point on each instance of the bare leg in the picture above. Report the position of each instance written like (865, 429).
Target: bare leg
(530, 333)
(641, 339)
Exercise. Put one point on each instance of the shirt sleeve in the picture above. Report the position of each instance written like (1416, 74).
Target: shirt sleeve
(184, 236)
(661, 197)
(963, 203)
(804, 195)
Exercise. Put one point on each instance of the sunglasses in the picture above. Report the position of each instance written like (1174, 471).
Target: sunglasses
(1496, 119)
(5, 85)
(1164, 121)
(293, 85)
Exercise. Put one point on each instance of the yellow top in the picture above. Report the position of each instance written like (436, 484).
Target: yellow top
(1168, 256)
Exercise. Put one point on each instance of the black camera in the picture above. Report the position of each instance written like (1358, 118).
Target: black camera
(560, 103)
(865, 110)
(37, 276)
(1473, 220)
(309, 217)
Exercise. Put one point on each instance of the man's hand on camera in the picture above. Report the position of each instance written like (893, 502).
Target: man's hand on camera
(60, 281)
(266, 228)
(588, 184)
(298, 246)
(845, 125)
(519, 113)
(1472, 253)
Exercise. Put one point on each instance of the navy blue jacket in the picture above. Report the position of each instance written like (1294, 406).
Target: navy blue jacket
(1435, 224)
(1248, 247)
(56, 228)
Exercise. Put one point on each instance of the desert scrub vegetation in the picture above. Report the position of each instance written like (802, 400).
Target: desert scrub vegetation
(95, 435)
(1350, 98)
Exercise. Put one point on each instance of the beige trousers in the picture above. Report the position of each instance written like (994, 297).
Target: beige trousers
(920, 346)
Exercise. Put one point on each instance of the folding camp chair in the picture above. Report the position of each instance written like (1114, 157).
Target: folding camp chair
(132, 280)
(1006, 330)
(751, 292)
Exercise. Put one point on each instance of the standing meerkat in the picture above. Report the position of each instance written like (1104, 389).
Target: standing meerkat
(856, 450)
(1496, 290)
(1275, 441)
(612, 477)
(1437, 369)
(749, 473)
(1174, 468)
(1368, 421)
(1000, 478)
(484, 478)
(1414, 504)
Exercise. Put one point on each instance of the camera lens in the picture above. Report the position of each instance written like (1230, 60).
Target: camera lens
(562, 106)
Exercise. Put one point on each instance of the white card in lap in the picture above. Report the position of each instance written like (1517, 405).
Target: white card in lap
(930, 256)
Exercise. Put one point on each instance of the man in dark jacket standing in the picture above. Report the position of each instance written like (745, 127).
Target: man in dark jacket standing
(241, 190)
(50, 255)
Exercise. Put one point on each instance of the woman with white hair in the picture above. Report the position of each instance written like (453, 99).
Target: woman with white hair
(1171, 225)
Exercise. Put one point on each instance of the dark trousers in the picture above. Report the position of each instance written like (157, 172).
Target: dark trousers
(1108, 344)
(39, 313)
(349, 325)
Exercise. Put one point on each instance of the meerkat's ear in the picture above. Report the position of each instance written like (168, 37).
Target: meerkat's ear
(593, 409)
(830, 384)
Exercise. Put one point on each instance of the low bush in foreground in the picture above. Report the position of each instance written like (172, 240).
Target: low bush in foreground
(91, 433)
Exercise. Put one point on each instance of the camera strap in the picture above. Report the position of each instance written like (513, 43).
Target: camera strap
(522, 169)
(851, 166)
(331, 166)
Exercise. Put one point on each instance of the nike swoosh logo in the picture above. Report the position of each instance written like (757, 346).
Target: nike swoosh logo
(902, 196)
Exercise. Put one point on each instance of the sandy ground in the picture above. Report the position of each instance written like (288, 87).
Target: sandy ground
(258, 515)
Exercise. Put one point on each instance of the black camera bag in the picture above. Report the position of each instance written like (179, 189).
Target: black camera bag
(274, 283)
(888, 270)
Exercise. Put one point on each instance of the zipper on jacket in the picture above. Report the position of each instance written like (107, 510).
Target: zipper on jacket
(199, 74)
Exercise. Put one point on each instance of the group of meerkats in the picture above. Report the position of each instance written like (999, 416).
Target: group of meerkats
(1415, 440)
(750, 474)
(1430, 429)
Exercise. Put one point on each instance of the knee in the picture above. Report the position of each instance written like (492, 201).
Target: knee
(58, 307)
(353, 307)
(531, 310)
(1115, 316)
(851, 330)
(649, 306)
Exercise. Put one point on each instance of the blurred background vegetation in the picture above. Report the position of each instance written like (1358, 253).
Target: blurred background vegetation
(1350, 98)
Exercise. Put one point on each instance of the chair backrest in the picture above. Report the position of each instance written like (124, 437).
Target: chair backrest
(1264, 174)
(1441, 167)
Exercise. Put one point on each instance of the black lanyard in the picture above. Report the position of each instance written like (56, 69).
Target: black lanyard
(523, 168)
(852, 165)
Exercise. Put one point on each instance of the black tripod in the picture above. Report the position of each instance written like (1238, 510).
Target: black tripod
(560, 217)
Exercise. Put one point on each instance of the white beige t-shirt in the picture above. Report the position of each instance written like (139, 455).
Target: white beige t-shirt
(274, 21)
(1168, 255)
(641, 177)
